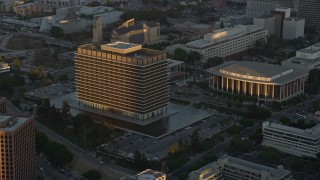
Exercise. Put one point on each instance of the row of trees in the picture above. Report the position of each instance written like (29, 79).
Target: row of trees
(58, 153)
(182, 55)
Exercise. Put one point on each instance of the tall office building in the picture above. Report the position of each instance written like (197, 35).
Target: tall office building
(257, 8)
(310, 11)
(17, 136)
(123, 78)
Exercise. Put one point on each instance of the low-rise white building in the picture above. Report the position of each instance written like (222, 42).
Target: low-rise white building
(305, 59)
(175, 68)
(227, 41)
(228, 167)
(298, 142)
(293, 28)
(147, 174)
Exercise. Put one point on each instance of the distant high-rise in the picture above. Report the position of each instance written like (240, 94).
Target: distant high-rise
(310, 11)
(97, 30)
(17, 148)
(123, 78)
(257, 8)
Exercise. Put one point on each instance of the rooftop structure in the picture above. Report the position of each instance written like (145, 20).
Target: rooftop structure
(285, 138)
(256, 8)
(228, 167)
(131, 80)
(228, 41)
(193, 30)
(305, 59)
(251, 78)
(139, 32)
(147, 174)
(17, 133)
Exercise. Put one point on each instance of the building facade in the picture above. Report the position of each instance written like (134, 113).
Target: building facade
(137, 32)
(122, 78)
(293, 28)
(176, 68)
(27, 9)
(147, 174)
(266, 21)
(305, 59)
(227, 41)
(18, 153)
(265, 81)
(309, 10)
(298, 142)
(228, 167)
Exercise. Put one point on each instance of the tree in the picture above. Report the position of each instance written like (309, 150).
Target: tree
(92, 175)
(65, 110)
(63, 77)
(40, 72)
(58, 153)
(270, 155)
(239, 145)
(33, 74)
(43, 107)
(284, 120)
(195, 142)
(41, 141)
(215, 61)
(262, 113)
(180, 54)
(175, 147)
(247, 122)
(56, 32)
(16, 64)
(193, 57)
(257, 136)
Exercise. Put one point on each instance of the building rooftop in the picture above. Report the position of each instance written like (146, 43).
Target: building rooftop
(11, 122)
(173, 62)
(254, 167)
(224, 34)
(293, 19)
(124, 52)
(257, 72)
(147, 174)
(20, 22)
(135, 26)
(314, 132)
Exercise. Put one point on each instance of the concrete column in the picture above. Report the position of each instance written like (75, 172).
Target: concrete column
(218, 83)
(287, 91)
(280, 98)
(222, 83)
(245, 88)
(265, 90)
(258, 89)
(227, 85)
(238, 81)
(212, 81)
(251, 88)
(232, 85)
(273, 91)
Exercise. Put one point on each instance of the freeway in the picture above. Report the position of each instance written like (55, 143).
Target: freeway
(113, 170)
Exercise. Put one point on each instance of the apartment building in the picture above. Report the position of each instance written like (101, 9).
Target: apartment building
(227, 41)
(265, 81)
(122, 78)
(228, 167)
(18, 154)
(309, 10)
(298, 142)
(305, 59)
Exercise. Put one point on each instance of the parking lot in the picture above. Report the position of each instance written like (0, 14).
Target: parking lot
(52, 91)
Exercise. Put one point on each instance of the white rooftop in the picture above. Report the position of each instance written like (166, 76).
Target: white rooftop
(121, 47)
(224, 34)
(11, 123)
(314, 132)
